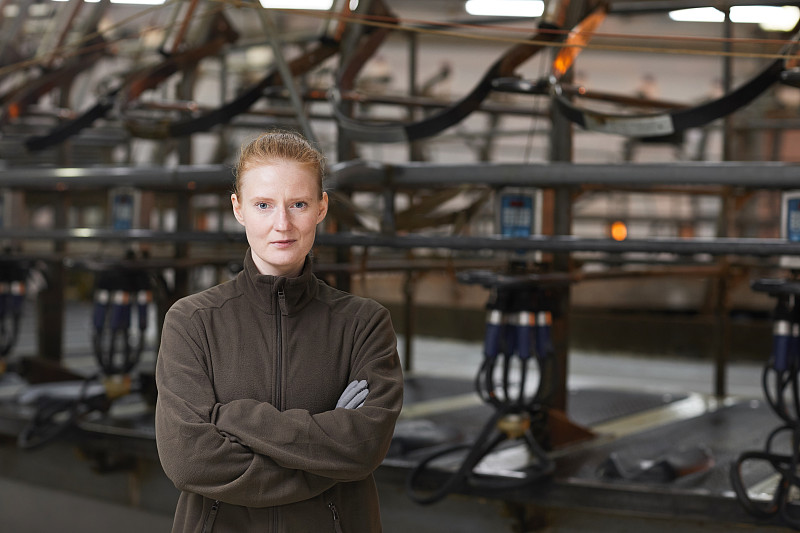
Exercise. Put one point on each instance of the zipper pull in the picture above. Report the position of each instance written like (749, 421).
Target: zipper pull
(337, 527)
(282, 301)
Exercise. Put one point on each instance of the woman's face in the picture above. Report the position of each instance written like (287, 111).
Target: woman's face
(279, 206)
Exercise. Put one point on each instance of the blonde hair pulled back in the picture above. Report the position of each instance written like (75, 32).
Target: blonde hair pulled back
(279, 146)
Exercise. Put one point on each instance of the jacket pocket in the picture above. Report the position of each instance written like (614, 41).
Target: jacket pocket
(208, 523)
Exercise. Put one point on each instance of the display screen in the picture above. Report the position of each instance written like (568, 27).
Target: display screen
(792, 220)
(516, 215)
(122, 211)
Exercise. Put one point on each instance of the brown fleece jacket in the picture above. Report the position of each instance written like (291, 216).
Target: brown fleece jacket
(248, 376)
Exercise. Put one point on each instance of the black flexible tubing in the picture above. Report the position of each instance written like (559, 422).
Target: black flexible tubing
(43, 429)
(507, 377)
(479, 388)
(791, 480)
(477, 451)
(795, 395)
(776, 402)
(759, 510)
(10, 341)
(482, 447)
(131, 354)
(489, 382)
(548, 373)
(464, 476)
(774, 433)
(785, 465)
(523, 370)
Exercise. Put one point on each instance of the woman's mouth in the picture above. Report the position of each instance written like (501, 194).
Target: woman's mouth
(282, 244)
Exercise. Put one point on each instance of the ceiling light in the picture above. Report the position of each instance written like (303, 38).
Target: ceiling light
(776, 18)
(697, 14)
(322, 5)
(505, 8)
(770, 18)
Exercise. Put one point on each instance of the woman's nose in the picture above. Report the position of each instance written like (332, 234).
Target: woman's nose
(282, 220)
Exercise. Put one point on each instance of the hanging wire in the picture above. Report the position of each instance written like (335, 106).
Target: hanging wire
(449, 29)
(537, 112)
(430, 28)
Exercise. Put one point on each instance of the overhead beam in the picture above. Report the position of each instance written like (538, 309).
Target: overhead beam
(366, 174)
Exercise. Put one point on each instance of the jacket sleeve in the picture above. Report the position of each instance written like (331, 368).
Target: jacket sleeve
(194, 453)
(342, 444)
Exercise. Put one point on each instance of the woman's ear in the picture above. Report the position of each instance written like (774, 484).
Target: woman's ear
(237, 208)
(323, 207)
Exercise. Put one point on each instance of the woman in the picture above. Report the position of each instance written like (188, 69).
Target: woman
(277, 394)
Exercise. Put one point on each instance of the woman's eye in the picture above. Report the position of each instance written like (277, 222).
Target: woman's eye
(262, 205)
(299, 205)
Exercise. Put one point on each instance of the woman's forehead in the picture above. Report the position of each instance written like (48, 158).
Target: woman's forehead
(281, 173)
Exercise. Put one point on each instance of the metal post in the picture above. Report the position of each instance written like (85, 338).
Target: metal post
(268, 22)
(561, 151)
(408, 300)
(183, 207)
(50, 302)
(345, 148)
(415, 147)
(722, 303)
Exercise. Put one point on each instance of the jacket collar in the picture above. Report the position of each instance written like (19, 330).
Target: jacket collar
(263, 290)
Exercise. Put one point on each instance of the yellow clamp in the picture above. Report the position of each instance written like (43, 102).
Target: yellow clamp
(117, 386)
(514, 425)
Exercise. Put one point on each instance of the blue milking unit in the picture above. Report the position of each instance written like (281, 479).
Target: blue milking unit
(517, 349)
(781, 385)
(120, 295)
(123, 295)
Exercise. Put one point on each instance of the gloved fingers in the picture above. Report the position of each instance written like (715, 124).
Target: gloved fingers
(350, 392)
(358, 399)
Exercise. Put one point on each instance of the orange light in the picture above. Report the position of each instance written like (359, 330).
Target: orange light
(577, 40)
(619, 231)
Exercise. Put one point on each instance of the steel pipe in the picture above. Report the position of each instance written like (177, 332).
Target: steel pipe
(358, 174)
(544, 243)
(761, 175)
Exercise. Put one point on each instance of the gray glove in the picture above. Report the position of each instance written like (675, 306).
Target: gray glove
(354, 395)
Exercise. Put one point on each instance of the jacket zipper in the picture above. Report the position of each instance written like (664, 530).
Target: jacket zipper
(337, 526)
(212, 515)
(279, 362)
(279, 370)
